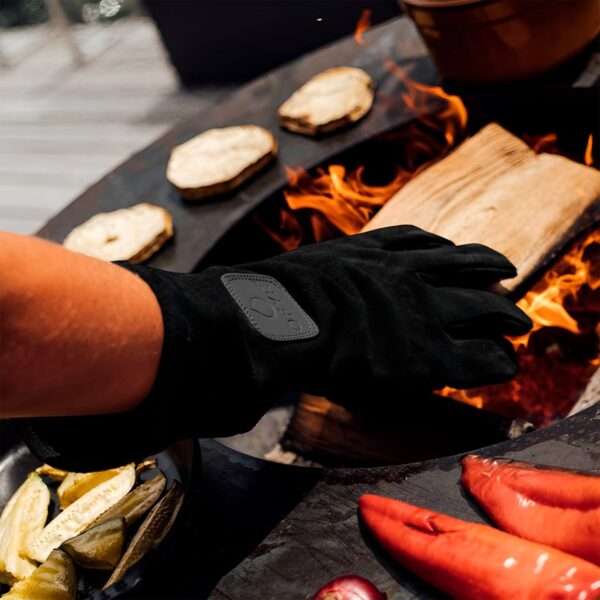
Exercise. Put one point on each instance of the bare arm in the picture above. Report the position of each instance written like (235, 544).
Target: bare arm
(77, 335)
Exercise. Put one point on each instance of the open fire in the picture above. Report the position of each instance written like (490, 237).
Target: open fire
(337, 201)
(562, 352)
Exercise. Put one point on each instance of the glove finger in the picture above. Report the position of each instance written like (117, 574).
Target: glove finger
(479, 362)
(468, 313)
(402, 237)
(469, 265)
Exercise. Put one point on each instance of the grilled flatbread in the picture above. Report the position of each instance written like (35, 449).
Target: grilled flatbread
(132, 234)
(328, 101)
(219, 160)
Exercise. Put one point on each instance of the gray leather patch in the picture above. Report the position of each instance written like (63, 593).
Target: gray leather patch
(269, 307)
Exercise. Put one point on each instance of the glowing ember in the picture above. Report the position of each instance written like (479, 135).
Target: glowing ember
(562, 352)
(364, 24)
(587, 157)
(545, 303)
(553, 371)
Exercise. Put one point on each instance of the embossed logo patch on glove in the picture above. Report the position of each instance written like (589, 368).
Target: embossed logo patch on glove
(269, 307)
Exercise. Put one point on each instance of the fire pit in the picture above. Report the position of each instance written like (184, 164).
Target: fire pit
(558, 358)
(311, 512)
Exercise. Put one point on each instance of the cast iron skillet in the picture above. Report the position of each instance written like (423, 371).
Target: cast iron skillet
(179, 462)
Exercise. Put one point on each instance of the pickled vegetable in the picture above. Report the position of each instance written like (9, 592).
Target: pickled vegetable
(146, 465)
(67, 483)
(81, 514)
(22, 520)
(151, 532)
(137, 502)
(100, 547)
(75, 485)
(52, 473)
(55, 579)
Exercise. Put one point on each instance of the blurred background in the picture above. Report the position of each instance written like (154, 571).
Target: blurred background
(86, 83)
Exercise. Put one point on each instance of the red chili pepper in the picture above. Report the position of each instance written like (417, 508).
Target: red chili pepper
(478, 562)
(550, 506)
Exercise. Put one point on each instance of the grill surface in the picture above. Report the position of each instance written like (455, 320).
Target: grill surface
(311, 513)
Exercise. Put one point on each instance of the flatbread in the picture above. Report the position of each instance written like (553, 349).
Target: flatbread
(219, 160)
(328, 101)
(133, 234)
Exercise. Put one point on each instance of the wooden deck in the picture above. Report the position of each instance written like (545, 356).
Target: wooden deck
(64, 125)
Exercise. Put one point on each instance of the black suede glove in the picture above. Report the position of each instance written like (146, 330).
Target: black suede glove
(362, 319)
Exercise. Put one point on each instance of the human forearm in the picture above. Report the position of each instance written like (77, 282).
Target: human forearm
(364, 320)
(77, 335)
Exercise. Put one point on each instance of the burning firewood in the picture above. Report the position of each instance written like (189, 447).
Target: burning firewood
(494, 189)
(590, 396)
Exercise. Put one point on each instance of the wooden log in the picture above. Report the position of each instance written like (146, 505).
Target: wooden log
(495, 190)
(590, 396)
(417, 430)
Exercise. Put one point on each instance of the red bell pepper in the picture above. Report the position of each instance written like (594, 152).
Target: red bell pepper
(550, 506)
(478, 562)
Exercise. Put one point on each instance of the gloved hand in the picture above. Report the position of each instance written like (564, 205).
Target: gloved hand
(377, 315)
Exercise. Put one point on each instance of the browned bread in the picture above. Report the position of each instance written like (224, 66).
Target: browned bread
(219, 160)
(328, 101)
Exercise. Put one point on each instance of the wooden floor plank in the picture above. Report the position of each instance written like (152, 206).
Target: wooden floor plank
(64, 133)
(40, 148)
(26, 226)
(41, 197)
(62, 178)
(26, 213)
(55, 163)
(63, 125)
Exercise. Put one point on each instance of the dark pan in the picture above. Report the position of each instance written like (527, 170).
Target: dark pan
(179, 462)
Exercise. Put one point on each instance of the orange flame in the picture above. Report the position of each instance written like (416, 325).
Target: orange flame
(549, 143)
(587, 157)
(545, 302)
(293, 176)
(418, 95)
(464, 396)
(337, 201)
(543, 143)
(567, 298)
(364, 24)
(343, 199)
(564, 304)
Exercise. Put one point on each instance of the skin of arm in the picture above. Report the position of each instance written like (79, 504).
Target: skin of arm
(77, 335)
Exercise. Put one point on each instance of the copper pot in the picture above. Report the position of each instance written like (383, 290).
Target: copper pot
(481, 41)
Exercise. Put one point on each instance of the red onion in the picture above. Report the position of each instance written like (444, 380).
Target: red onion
(350, 587)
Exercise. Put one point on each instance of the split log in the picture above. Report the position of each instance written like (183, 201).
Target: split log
(495, 190)
(419, 430)
(590, 396)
